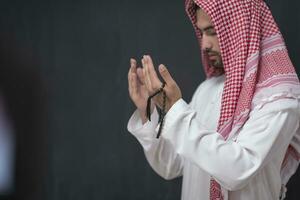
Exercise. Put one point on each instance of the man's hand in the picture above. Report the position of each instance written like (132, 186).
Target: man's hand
(152, 83)
(137, 89)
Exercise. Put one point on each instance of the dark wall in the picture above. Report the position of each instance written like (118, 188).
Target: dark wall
(83, 48)
(24, 100)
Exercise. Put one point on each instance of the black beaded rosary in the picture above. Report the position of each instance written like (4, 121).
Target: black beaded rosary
(162, 111)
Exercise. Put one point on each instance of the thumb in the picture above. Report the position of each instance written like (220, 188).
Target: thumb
(165, 75)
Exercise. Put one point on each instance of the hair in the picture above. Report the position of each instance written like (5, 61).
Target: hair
(196, 6)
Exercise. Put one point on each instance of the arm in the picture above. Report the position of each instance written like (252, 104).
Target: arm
(159, 153)
(232, 163)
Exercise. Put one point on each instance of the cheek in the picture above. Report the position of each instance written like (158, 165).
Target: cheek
(217, 45)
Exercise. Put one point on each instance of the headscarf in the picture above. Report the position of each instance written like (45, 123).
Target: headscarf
(257, 67)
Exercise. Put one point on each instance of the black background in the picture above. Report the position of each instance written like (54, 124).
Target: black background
(82, 50)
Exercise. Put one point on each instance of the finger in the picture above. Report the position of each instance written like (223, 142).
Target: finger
(154, 82)
(134, 84)
(130, 83)
(166, 75)
(133, 64)
(133, 87)
(146, 76)
(152, 73)
(140, 75)
(129, 78)
(132, 67)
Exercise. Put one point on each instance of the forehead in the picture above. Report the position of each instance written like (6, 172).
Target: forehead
(203, 19)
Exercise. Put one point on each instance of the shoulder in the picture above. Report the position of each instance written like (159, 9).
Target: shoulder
(210, 88)
(289, 105)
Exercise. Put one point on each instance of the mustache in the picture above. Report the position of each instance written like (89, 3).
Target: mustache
(210, 52)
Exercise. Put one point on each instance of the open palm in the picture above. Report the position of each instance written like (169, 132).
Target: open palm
(137, 88)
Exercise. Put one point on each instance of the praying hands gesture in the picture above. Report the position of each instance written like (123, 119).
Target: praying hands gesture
(143, 82)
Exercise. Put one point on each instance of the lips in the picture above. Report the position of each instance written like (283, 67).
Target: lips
(212, 57)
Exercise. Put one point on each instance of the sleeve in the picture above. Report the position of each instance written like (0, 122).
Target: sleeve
(232, 163)
(159, 153)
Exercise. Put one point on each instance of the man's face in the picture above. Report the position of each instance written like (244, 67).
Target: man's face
(210, 43)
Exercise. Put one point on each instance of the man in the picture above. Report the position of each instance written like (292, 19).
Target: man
(239, 137)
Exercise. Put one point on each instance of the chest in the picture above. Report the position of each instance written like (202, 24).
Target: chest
(207, 104)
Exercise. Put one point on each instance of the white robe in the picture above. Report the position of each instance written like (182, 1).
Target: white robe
(247, 166)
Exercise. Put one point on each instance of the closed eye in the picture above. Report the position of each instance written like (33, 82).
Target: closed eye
(209, 31)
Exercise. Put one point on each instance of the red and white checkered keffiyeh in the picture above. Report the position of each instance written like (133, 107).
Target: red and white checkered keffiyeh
(257, 67)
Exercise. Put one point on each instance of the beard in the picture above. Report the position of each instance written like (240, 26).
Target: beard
(216, 61)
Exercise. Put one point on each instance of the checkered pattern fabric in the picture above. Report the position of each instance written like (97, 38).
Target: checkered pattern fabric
(254, 56)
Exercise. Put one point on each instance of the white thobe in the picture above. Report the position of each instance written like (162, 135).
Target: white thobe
(247, 166)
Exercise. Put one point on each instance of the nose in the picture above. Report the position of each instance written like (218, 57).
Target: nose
(206, 43)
